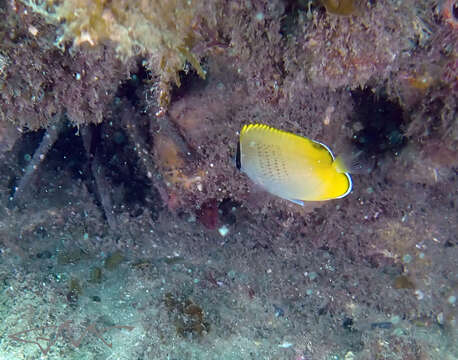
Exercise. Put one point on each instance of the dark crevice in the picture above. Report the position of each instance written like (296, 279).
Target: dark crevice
(132, 87)
(381, 122)
(130, 188)
(189, 81)
(67, 154)
(289, 21)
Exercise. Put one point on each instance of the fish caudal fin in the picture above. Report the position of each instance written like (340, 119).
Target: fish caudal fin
(353, 163)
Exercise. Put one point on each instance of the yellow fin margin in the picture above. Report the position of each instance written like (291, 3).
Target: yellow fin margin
(267, 128)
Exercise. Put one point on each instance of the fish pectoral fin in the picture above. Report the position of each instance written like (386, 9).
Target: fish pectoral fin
(297, 202)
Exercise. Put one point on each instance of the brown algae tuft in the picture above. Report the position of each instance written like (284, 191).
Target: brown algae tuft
(188, 317)
(403, 282)
(166, 30)
(340, 7)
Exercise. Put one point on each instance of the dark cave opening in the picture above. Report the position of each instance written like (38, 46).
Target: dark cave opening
(129, 184)
(115, 163)
(378, 123)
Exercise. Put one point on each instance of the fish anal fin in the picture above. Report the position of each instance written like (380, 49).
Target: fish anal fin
(296, 201)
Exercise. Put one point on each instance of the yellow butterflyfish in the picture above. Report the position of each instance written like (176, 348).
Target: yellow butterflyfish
(290, 166)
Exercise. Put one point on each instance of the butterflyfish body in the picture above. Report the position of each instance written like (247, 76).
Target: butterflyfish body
(290, 166)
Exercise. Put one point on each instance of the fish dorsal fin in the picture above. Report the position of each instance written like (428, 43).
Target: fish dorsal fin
(262, 127)
(303, 146)
(267, 129)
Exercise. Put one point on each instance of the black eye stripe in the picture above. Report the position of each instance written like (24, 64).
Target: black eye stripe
(238, 163)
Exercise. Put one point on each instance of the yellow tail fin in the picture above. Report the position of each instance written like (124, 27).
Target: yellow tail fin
(353, 163)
